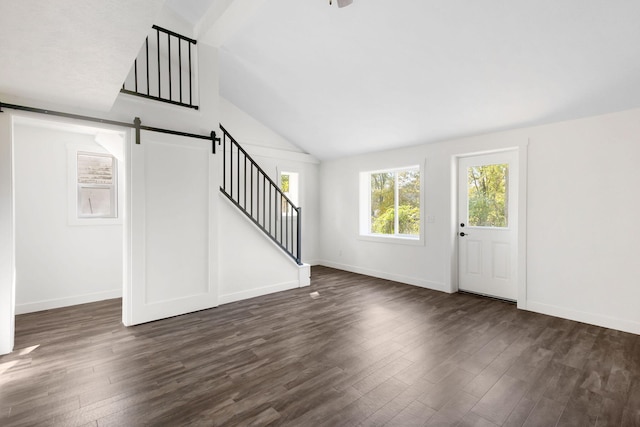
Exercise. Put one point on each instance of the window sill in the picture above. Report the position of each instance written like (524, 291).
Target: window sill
(412, 241)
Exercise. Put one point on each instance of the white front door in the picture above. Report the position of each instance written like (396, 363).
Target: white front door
(487, 226)
(170, 261)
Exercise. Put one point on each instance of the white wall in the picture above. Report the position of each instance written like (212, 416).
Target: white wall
(58, 264)
(582, 220)
(253, 132)
(421, 265)
(250, 264)
(581, 217)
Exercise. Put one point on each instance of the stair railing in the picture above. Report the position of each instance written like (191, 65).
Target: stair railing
(252, 191)
(164, 70)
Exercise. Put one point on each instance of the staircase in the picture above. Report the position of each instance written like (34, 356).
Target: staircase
(252, 191)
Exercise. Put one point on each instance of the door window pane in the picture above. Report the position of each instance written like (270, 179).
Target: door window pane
(488, 195)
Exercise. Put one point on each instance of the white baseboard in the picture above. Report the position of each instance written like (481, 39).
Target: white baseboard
(31, 307)
(257, 292)
(388, 276)
(584, 317)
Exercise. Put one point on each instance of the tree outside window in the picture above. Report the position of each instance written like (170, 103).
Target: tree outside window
(488, 195)
(289, 184)
(395, 202)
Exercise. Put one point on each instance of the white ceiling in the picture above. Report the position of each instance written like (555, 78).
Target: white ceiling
(336, 81)
(72, 52)
(381, 73)
(191, 11)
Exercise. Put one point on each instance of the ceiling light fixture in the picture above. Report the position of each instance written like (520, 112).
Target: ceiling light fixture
(342, 3)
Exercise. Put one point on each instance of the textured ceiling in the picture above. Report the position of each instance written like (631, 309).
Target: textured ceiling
(71, 52)
(381, 74)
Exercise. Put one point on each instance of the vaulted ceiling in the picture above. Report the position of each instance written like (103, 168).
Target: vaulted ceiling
(381, 73)
(336, 81)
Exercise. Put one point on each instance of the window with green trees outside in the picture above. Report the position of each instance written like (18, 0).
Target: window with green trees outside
(394, 207)
(488, 195)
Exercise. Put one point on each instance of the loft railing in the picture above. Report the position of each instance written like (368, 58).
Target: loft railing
(164, 69)
(259, 198)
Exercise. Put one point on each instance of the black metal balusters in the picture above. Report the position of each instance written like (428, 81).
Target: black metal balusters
(164, 64)
(280, 219)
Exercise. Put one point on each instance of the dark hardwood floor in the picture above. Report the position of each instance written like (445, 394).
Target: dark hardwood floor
(365, 352)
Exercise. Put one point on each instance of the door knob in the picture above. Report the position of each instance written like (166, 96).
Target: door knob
(462, 234)
(462, 224)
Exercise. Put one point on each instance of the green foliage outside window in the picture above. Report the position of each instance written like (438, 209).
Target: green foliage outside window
(284, 183)
(488, 195)
(384, 190)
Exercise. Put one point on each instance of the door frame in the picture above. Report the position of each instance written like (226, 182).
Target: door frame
(521, 150)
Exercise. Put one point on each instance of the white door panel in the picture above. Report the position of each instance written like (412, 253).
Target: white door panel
(500, 255)
(170, 253)
(487, 233)
(473, 260)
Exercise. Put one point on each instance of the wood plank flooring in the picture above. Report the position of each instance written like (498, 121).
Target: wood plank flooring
(367, 352)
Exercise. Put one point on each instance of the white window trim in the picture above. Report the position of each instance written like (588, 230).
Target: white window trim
(365, 204)
(72, 186)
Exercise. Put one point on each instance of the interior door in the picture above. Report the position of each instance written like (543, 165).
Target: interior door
(170, 260)
(487, 226)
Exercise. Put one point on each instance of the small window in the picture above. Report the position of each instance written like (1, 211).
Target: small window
(391, 201)
(289, 184)
(96, 185)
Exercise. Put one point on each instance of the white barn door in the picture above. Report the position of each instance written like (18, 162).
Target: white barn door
(170, 255)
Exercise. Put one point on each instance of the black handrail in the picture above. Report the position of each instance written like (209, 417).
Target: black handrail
(164, 64)
(281, 219)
